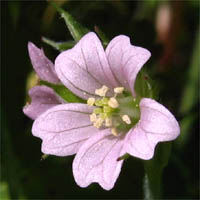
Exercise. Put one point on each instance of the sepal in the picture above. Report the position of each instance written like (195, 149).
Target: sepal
(63, 92)
(60, 46)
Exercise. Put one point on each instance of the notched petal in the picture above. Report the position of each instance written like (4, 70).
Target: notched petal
(96, 161)
(138, 145)
(84, 68)
(126, 60)
(158, 120)
(156, 124)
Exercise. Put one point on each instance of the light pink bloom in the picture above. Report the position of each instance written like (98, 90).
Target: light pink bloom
(42, 97)
(67, 129)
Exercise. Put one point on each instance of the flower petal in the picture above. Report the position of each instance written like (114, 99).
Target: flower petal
(64, 128)
(156, 124)
(96, 160)
(41, 64)
(126, 60)
(43, 98)
(84, 68)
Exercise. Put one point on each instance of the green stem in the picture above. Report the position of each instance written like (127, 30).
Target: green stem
(152, 185)
(154, 170)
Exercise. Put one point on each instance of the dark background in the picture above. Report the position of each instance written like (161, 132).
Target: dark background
(174, 66)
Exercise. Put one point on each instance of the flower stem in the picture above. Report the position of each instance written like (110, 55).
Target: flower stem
(152, 186)
(154, 170)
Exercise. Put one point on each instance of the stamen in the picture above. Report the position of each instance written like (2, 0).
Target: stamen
(126, 119)
(91, 101)
(113, 102)
(114, 131)
(98, 123)
(119, 90)
(102, 91)
(108, 122)
(93, 117)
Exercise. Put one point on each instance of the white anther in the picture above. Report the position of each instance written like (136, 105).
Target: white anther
(126, 119)
(98, 123)
(102, 91)
(108, 122)
(93, 117)
(118, 90)
(114, 131)
(113, 102)
(91, 101)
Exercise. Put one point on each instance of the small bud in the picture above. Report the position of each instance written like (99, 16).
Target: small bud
(102, 91)
(126, 119)
(91, 101)
(113, 102)
(118, 90)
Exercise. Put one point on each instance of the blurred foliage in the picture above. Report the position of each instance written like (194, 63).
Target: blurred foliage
(173, 67)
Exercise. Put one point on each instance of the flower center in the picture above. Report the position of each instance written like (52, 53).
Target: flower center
(119, 112)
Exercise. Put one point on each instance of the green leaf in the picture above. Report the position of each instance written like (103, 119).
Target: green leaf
(4, 191)
(154, 169)
(190, 94)
(60, 46)
(76, 29)
(63, 92)
(186, 126)
(190, 97)
(10, 165)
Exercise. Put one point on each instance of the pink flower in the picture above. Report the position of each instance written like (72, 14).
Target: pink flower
(113, 122)
(42, 97)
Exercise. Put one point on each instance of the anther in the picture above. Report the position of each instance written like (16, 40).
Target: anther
(108, 122)
(113, 102)
(91, 101)
(126, 119)
(98, 123)
(114, 131)
(93, 117)
(118, 90)
(102, 91)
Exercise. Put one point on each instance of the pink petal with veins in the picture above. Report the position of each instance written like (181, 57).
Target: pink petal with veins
(64, 128)
(156, 124)
(84, 68)
(96, 160)
(126, 60)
